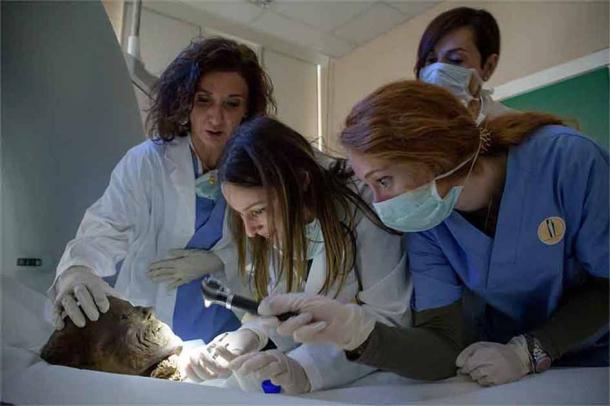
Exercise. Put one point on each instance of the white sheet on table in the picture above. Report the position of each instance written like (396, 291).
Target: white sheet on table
(27, 379)
(556, 386)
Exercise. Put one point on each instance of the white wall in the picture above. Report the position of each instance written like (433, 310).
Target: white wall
(167, 27)
(68, 115)
(536, 35)
(162, 37)
(295, 91)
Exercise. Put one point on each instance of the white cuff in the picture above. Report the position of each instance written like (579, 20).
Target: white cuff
(302, 356)
(253, 326)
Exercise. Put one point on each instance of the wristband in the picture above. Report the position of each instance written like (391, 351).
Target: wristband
(541, 361)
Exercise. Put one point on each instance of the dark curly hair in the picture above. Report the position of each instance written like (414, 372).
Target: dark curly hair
(172, 95)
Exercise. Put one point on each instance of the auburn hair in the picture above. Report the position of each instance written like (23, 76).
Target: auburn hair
(423, 123)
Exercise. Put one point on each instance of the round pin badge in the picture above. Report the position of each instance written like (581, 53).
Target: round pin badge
(551, 230)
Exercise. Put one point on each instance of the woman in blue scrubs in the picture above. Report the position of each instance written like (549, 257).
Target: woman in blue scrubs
(514, 210)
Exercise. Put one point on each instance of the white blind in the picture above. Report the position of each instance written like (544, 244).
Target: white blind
(296, 92)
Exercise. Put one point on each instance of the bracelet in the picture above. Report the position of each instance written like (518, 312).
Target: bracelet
(541, 360)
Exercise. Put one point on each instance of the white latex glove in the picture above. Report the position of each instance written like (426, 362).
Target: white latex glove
(495, 364)
(321, 319)
(183, 266)
(78, 293)
(211, 362)
(276, 366)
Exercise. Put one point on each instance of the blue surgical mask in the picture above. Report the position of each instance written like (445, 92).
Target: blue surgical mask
(454, 78)
(315, 239)
(207, 185)
(422, 208)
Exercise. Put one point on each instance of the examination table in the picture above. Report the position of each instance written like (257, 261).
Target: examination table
(27, 379)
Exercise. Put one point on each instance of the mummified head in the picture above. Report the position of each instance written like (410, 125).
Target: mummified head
(127, 340)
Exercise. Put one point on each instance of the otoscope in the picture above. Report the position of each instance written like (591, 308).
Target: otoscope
(215, 293)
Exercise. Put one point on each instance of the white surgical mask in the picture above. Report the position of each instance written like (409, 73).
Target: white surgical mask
(454, 78)
(423, 208)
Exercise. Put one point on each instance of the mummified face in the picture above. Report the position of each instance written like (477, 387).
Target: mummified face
(127, 340)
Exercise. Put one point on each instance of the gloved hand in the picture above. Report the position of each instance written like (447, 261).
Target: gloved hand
(211, 362)
(79, 286)
(495, 364)
(183, 266)
(321, 319)
(275, 365)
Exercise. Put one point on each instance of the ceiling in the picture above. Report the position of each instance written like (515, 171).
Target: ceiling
(331, 27)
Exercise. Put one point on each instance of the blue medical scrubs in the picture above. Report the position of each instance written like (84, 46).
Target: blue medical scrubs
(551, 235)
(192, 320)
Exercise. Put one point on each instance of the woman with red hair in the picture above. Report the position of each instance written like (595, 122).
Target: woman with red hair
(514, 212)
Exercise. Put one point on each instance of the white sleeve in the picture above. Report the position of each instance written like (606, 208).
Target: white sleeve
(386, 296)
(108, 226)
(282, 343)
(327, 366)
(387, 286)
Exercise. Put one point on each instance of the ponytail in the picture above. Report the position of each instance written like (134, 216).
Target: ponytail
(511, 129)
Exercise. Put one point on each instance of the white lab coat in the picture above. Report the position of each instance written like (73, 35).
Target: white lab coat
(147, 209)
(386, 295)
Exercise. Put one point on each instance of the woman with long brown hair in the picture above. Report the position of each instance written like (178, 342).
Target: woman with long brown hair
(514, 211)
(301, 226)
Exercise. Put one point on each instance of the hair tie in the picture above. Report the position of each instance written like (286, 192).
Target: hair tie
(485, 136)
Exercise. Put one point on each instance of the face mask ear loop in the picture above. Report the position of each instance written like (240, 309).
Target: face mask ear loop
(484, 141)
(457, 168)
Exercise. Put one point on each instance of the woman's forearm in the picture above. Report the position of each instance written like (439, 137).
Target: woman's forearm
(583, 313)
(426, 351)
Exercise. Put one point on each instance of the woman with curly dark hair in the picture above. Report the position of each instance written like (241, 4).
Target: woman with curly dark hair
(160, 222)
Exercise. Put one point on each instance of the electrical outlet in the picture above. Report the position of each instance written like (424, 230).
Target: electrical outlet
(29, 262)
